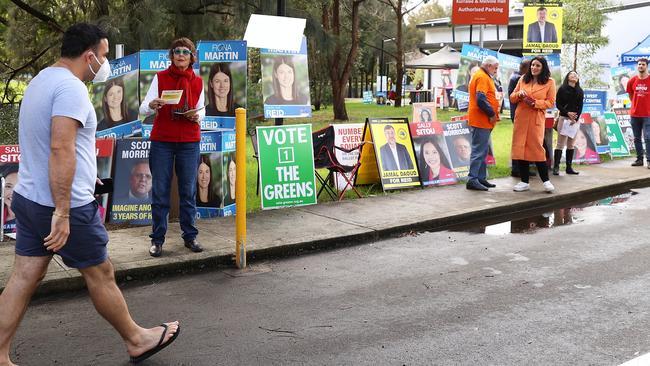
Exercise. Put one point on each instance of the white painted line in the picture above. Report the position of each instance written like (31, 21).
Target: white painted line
(639, 361)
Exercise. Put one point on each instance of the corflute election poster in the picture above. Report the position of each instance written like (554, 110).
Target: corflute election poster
(434, 161)
(223, 68)
(116, 101)
(286, 157)
(9, 159)
(133, 182)
(215, 193)
(285, 83)
(151, 62)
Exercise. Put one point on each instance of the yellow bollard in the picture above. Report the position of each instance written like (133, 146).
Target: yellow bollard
(240, 188)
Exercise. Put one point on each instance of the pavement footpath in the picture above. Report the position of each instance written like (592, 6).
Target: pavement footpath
(287, 232)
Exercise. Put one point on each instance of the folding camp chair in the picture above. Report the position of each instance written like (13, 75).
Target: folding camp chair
(325, 158)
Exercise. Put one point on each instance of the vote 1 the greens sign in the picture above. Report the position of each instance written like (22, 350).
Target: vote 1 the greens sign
(286, 159)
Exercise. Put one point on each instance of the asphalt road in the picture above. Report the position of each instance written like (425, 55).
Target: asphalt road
(575, 294)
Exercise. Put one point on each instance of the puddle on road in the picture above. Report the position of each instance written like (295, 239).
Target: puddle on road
(549, 219)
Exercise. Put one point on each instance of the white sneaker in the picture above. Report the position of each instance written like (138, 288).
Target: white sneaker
(548, 186)
(521, 186)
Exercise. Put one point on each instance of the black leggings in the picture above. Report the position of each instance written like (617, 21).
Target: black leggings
(542, 169)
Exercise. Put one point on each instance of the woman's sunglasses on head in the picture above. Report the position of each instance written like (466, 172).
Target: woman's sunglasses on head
(182, 51)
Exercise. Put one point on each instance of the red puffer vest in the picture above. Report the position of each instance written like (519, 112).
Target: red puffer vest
(167, 126)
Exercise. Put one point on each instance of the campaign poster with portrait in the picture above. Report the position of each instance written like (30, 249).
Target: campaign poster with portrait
(595, 103)
(215, 193)
(624, 121)
(151, 62)
(346, 136)
(424, 112)
(459, 142)
(617, 145)
(470, 62)
(618, 86)
(9, 159)
(393, 147)
(131, 201)
(508, 65)
(434, 161)
(584, 142)
(223, 68)
(285, 83)
(542, 26)
(104, 149)
(116, 101)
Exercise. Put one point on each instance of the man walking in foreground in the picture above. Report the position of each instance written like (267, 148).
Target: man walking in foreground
(638, 89)
(55, 209)
(483, 114)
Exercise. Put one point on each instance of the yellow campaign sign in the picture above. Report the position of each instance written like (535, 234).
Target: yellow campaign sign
(368, 172)
(394, 149)
(542, 27)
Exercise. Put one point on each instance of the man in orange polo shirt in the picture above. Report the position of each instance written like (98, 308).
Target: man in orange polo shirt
(483, 114)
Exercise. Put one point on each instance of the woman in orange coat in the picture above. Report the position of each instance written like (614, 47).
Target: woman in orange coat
(535, 93)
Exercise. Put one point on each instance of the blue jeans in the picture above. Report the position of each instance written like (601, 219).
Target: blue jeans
(641, 127)
(480, 145)
(163, 158)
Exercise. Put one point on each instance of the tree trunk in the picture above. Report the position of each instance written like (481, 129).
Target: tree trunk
(341, 75)
(338, 101)
(399, 62)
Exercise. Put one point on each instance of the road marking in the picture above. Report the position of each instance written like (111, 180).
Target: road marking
(517, 257)
(459, 261)
(639, 361)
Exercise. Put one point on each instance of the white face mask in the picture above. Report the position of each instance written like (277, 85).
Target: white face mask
(103, 73)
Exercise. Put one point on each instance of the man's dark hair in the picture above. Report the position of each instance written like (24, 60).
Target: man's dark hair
(79, 38)
(541, 8)
(642, 59)
(523, 66)
(388, 127)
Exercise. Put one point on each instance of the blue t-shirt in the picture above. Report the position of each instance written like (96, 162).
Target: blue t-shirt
(55, 91)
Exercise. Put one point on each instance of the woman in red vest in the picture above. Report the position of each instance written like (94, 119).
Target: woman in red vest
(175, 142)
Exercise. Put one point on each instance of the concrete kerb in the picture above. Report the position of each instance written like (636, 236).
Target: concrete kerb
(172, 265)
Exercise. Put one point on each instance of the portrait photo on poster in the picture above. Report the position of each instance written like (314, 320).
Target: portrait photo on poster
(585, 145)
(424, 112)
(225, 87)
(542, 26)
(229, 178)
(434, 161)
(208, 183)
(10, 174)
(116, 101)
(285, 79)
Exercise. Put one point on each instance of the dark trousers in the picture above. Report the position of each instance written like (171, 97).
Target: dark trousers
(641, 129)
(542, 169)
(480, 146)
(163, 158)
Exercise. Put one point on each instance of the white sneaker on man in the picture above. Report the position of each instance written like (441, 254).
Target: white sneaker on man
(521, 186)
(548, 186)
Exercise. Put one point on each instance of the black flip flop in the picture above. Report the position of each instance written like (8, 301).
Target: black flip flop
(159, 347)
